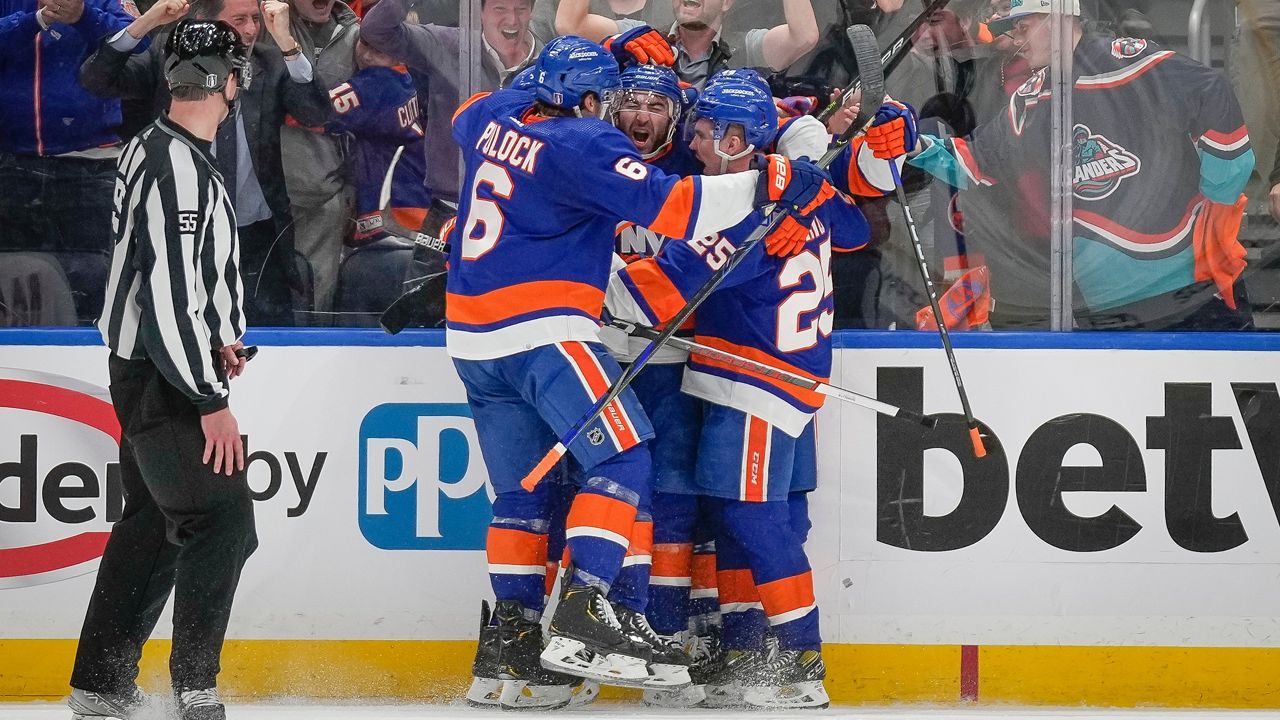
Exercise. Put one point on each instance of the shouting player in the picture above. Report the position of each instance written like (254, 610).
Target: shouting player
(775, 308)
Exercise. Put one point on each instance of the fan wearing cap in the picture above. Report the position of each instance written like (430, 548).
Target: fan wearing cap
(173, 319)
(1161, 155)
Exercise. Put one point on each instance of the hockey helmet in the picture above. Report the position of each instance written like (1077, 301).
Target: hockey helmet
(204, 54)
(569, 67)
(750, 75)
(655, 80)
(734, 101)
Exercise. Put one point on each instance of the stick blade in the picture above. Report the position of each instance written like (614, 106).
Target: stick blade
(870, 71)
(417, 307)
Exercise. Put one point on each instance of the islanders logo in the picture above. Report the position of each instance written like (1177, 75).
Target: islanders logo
(1100, 165)
(1127, 47)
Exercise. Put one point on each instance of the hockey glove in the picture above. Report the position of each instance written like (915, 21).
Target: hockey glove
(688, 94)
(893, 132)
(790, 236)
(640, 45)
(796, 185)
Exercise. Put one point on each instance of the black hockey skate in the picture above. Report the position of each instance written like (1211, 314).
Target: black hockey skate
(669, 666)
(486, 686)
(793, 679)
(87, 705)
(740, 670)
(588, 640)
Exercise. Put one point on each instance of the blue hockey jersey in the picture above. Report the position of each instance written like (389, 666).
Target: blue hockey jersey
(774, 310)
(533, 245)
(378, 107)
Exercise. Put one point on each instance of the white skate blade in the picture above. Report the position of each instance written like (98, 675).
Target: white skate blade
(520, 695)
(809, 694)
(571, 656)
(584, 693)
(685, 697)
(667, 676)
(484, 692)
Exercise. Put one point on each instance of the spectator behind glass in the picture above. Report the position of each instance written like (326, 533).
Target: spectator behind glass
(58, 143)
(654, 13)
(432, 50)
(378, 110)
(317, 169)
(248, 145)
(701, 51)
(1161, 155)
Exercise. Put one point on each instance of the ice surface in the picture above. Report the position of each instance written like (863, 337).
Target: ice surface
(299, 711)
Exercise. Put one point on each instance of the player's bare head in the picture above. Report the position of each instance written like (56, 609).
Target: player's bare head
(367, 56)
(313, 11)
(647, 107)
(575, 76)
(700, 15)
(732, 119)
(244, 16)
(505, 23)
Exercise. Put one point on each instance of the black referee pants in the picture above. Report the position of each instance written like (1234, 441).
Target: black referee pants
(184, 531)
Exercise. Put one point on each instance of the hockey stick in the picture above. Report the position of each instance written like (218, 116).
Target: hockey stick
(864, 43)
(975, 435)
(888, 61)
(775, 373)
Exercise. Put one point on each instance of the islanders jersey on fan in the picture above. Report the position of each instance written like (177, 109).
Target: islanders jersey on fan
(774, 310)
(378, 107)
(1155, 135)
(532, 249)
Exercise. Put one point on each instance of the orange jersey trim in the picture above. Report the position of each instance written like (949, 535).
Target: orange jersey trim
(676, 213)
(808, 397)
(672, 560)
(737, 586)
(469, 102)
(507, 546)
(656, 287)
(787, 594)
(605, 513)
(503, 303)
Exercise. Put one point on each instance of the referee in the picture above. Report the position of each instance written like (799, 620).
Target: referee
(173, 318)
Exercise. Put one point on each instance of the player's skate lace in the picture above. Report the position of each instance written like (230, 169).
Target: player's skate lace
(199, 698)
(602, 610)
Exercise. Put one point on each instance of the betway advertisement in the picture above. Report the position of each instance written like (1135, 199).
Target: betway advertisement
(1129, 496)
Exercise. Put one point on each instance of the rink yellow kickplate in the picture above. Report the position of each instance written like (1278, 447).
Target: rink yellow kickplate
(438, 671)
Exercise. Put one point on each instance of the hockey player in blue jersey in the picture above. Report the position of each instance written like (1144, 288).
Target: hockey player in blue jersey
(776, 309)
(546, 182)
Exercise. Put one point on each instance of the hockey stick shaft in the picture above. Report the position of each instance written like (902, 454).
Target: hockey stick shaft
(975, 436)
(776, 373)
(866, 115)
(888, 61)
(393, 226)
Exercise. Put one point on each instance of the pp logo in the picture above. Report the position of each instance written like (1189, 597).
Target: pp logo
(423, 484)
(59, 477)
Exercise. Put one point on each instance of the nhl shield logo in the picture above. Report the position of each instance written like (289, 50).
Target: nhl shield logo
(595, 436)
(1100, 164)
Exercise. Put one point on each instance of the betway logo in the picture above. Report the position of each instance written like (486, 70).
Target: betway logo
(1185, 431)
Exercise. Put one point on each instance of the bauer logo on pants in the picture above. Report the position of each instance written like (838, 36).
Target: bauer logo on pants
(423, 484)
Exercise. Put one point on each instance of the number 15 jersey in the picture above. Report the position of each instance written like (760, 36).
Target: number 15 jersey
(533, 243)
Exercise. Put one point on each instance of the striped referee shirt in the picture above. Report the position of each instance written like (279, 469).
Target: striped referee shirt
(174, 294)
